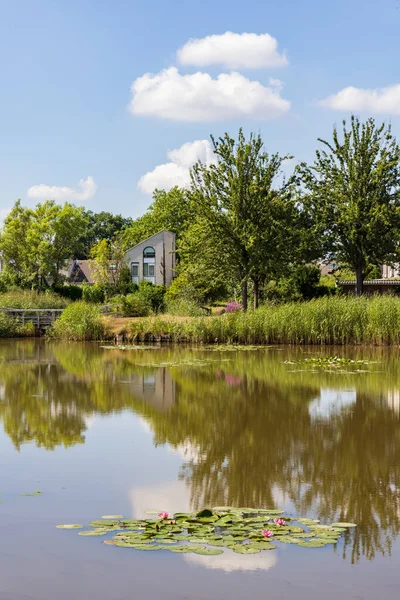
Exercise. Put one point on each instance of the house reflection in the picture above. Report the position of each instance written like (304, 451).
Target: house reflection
(156, 387)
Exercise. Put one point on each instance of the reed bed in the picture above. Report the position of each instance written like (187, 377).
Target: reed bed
(324, 321)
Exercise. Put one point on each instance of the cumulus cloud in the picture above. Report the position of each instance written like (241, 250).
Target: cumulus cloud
(233, 50)
(378, 100)
(199, 97)
(229, 561)
(84, 191)
(177, 170)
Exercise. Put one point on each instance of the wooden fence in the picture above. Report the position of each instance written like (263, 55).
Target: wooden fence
(42, 318)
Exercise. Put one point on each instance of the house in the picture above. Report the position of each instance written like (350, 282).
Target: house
(153, 259)
(78, 272)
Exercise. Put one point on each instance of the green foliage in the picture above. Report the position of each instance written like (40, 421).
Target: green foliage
(93, 293)
(134, 305)
(154, 295)
(81, 321)
(35, 243)
(100, 226)
(183, 307)
(353, 192)
(30, 299)
(328, 320)
(303, 283)
(73, 292)
(248, 223)
(170, 210)
(10, 327)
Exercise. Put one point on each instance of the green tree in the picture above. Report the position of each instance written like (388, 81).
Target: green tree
(102, 225)
(246, 215)
(107, 262)
(36, 243)
(353, 192)
(169, 210)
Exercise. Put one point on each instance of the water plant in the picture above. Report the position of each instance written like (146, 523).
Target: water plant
(211, 531)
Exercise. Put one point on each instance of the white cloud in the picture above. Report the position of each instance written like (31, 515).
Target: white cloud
(84, 191)
(233, 50)
(378, 100)
(177, 170)
(229, 561)
(3, 213)
(199, 97)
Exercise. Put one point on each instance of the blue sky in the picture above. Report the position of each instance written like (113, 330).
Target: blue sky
(67, 112)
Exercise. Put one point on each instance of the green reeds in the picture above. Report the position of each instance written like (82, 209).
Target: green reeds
(324, 321)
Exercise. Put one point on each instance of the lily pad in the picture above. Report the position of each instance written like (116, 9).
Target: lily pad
(73, 526)
(240, 549)
(344, 525)
(113, 517)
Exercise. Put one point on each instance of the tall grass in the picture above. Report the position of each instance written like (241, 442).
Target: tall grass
(80, 321)
(328, 320)
(31, 299)
(10, 327)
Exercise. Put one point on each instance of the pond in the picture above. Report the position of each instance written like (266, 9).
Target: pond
(103, 431)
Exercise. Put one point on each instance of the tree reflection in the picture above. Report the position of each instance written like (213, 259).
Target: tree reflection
(249, 423)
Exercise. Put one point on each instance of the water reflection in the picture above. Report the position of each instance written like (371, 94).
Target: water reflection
(249, 431)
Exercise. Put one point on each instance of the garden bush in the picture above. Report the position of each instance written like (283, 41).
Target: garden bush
(81, 321)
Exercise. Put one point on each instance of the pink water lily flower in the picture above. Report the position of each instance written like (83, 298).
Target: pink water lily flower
(172, 522)
(267, 533)
(279, 521)
(163, 515)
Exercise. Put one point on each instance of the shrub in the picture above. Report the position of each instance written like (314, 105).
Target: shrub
(81, 321)
(10, 327)
(184, 308)
(136, 305)
(93, 293)
(154, 295)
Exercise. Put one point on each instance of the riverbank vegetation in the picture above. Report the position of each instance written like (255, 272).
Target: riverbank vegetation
(80, 321)
(330, 320)
(251, 231)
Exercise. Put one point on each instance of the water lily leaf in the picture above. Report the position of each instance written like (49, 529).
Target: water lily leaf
(240, 549)
(109, 542)
(207, 551)
(69, 526)
(311, 544)
(344, 525)
(166, 541)
(180, 549)
(94, 532)
(113, 517)
(37, 493)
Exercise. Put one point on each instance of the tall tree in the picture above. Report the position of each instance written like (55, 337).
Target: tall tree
(35, 243)
(102, 225)
(248, 215)
(353, 191)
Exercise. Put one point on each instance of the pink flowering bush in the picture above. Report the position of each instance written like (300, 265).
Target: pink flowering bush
(233, 307)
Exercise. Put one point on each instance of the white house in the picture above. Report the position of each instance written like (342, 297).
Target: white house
(153, 259)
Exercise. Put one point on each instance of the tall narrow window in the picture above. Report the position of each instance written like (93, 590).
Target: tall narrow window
(135, 272)
(149, 264)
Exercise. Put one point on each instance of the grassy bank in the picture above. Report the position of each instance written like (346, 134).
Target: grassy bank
(330, 320)
(30, 299)
(10, 327)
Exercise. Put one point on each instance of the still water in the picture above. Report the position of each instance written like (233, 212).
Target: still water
(103, 431)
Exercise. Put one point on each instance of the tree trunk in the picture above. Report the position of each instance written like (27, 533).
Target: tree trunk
(359, 281)
(244, 295)
(256, 284)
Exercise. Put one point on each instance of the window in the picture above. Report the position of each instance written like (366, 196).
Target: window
(148, 270)
(149, 252)
(135, 272)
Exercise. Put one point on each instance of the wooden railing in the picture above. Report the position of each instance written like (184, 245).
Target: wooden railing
(42, 318)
